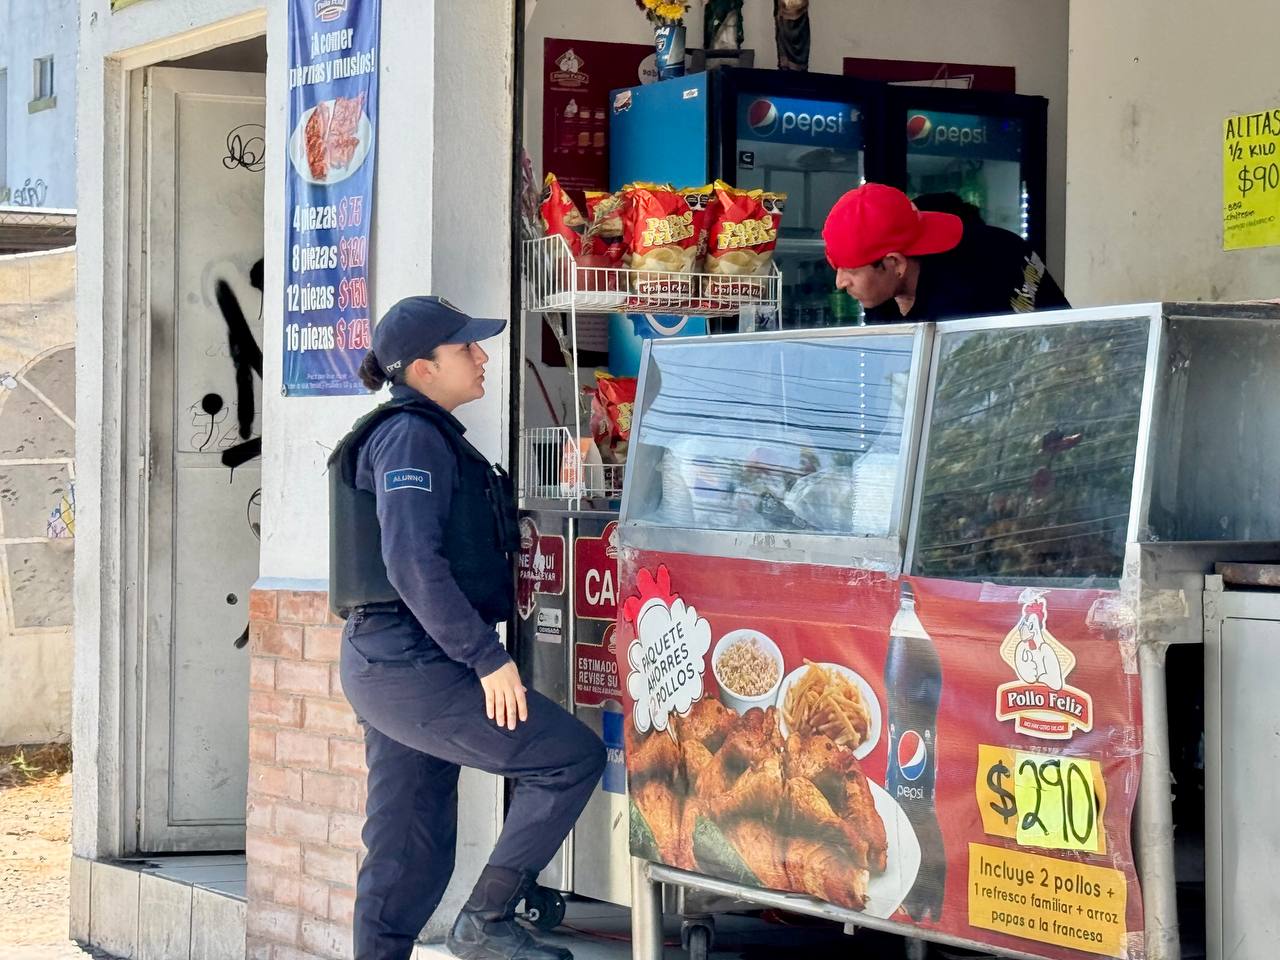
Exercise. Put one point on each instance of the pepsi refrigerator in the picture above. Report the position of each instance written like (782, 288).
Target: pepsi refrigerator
(815, 136)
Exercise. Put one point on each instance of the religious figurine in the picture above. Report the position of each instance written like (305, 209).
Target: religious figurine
(722, 25)
(791, 25)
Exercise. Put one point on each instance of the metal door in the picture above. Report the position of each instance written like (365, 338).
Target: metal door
(205, 159)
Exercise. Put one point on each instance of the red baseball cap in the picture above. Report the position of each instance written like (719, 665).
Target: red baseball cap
(875, 220)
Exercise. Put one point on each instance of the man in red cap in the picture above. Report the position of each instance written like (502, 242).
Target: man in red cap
(902, 262)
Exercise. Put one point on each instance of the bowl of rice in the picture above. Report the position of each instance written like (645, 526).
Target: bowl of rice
(748, 668)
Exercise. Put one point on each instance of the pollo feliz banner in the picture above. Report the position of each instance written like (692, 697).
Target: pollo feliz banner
(958, 757)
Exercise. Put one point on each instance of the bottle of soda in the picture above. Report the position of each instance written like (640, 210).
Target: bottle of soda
(913, 680)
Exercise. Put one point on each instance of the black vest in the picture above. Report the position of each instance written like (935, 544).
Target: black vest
(480, 538)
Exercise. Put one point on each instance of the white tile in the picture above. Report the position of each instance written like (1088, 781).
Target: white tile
(217, 926)
(113, 909)
(164, 919)
(202, 873)
(80, 868)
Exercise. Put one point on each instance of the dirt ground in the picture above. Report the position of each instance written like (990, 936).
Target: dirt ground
(35, 857)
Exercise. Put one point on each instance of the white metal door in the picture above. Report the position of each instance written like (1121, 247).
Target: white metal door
(204, 189)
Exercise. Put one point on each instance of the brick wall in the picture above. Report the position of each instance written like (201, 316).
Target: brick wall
(306, 783)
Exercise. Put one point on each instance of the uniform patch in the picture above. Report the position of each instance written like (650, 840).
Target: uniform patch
(407, 479)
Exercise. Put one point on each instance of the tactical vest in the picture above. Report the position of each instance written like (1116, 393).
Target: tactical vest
(480, 538)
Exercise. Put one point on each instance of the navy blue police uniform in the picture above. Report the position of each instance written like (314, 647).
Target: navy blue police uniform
(414, 649)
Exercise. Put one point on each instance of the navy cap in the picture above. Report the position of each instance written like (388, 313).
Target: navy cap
(417, 325)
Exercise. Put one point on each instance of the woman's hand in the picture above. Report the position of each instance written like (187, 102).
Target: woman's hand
(504, 700)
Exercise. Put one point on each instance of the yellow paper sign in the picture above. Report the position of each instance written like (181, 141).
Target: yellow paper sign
(1251, 180)
(1059, 802)
(1020, 798)
(1059, 902)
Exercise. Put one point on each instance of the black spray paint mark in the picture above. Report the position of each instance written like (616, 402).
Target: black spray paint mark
(246, 148)
(246, 357)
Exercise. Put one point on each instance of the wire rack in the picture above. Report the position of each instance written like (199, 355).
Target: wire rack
(556, 282)
(560, 463)
(558, 466)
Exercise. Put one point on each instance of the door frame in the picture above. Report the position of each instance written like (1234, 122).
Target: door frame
(110, 647)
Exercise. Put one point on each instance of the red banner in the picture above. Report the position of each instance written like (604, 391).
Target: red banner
(958, 757)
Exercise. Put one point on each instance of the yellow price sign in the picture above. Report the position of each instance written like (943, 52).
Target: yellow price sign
(1041, 800)
(1251, 180)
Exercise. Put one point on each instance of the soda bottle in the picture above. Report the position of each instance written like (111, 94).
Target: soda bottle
(913, 680)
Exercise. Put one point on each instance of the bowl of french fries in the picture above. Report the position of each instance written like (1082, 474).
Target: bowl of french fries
(832, 700)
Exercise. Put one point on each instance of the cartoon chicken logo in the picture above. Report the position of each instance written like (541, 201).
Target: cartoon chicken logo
(1040, 702)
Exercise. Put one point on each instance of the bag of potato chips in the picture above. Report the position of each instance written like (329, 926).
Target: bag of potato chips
(560, 215)
(742, 237)
(662, 233)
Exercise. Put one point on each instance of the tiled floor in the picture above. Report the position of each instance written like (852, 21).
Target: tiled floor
(221, 873)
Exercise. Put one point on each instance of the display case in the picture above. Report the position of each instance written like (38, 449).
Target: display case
(1043, 495)
(785, 445)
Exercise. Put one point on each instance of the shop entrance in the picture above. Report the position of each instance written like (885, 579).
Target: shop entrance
(199, 379)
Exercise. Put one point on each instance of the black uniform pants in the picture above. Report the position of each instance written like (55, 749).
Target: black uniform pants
(424, 718)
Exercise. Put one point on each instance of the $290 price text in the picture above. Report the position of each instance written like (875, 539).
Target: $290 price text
(1041, 800)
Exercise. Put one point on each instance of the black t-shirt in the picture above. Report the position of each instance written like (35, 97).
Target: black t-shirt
(991, 272)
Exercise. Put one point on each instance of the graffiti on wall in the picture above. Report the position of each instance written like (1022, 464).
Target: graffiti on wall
(30, 194)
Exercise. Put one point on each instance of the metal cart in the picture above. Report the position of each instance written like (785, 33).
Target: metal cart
(1185, 479)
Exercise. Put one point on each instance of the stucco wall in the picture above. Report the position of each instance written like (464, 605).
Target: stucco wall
(41, 146)
(37, 494)
(1032, 37)
(1147, 102)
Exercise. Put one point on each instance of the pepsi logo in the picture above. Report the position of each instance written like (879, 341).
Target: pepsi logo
(918, 128)
(913, 755)
(762, 117)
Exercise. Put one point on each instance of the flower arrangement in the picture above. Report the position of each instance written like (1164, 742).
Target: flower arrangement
(664, 12)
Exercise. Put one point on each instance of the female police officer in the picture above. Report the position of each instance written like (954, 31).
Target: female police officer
(420, 564)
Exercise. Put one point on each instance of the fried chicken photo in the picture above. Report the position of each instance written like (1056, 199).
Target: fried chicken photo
(839, 777)
(708, 722)
(761, 850)
(757, 794)
(818, 869)
(661, 811)
(656, 757)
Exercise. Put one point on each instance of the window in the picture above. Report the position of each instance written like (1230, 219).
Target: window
(42, 79)
(1029, 462)
(778, 435)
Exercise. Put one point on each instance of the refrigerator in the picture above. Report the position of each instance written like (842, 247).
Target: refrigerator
(815, 136)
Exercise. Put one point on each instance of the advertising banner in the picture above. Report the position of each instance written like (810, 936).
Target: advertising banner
(333, 114)
(1251, 180)
(959, 757)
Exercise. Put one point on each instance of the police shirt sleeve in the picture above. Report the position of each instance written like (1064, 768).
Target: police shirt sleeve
(413, 470)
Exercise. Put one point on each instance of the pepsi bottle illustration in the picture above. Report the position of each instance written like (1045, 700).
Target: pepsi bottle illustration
(913, 680)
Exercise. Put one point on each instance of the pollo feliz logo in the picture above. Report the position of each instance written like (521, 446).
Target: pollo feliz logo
(1040, 702)
(668, 655)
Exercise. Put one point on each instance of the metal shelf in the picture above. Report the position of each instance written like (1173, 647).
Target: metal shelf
(555, 282)
(554, 462)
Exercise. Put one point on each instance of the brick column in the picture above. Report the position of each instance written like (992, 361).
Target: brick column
(306, 783)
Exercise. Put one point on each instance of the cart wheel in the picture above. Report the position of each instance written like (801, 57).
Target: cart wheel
(699, 942)
(544, 908)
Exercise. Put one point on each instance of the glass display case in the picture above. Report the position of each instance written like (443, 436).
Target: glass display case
(797, 443)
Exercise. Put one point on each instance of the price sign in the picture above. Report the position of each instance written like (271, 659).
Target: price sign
(1041, 800)
(1251, 180)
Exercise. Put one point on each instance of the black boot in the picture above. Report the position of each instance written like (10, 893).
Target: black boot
(486, 928)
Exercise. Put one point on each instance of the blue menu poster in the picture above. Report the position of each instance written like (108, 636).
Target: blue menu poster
(333, 111)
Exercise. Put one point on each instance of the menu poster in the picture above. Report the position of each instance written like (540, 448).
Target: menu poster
(333, 110)
(577, 78)
(1251, 180)
(959, 758)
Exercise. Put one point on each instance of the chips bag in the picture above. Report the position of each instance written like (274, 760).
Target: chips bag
(603, 235)
(612, 403)
(742, 237)
(662, 234)
(560, 215)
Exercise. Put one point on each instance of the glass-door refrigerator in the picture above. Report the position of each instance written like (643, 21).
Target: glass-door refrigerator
(814, 136)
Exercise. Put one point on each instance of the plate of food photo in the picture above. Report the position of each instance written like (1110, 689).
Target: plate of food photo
(331, 140)
(832, 700)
